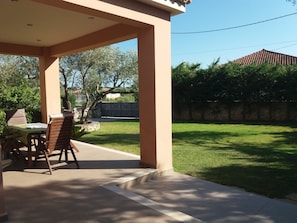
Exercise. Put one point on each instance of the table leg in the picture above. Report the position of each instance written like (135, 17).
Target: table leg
(29, 145)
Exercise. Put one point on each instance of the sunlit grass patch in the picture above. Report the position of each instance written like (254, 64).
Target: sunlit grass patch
(257, 158)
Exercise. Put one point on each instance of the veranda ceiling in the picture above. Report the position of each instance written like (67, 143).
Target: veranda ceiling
(29, 26)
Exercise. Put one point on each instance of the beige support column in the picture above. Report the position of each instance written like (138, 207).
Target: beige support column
(3, 213)
(49, 86)
(155, 96)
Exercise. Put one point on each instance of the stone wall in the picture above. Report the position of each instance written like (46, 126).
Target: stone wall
(212, 111)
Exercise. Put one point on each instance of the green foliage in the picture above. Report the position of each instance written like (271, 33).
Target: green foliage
(98, 72)
(2, 120)
(234, 82)
(184, 84)
(71, 98)
(17, 89)
(14, 69)
(21, 96)
(78, 132)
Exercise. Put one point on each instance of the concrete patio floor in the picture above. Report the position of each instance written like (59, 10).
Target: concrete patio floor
(111, 187)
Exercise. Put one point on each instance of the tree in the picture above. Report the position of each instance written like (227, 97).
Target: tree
(14, 67)
(97, 73)
(28, 67)
(182, 82)
(68, 78)
(16, 90)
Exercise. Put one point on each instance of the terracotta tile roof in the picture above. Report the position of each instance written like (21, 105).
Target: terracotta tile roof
(264, 56)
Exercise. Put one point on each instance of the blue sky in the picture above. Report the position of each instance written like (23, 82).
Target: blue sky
(279, 35)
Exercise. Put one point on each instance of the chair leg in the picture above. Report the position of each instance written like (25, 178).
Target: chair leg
(60, 155)
(66, 155)
(74, 157)
(48, 162)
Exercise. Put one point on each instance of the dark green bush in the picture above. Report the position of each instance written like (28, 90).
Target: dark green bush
(2, 120)
(78, 132)
(21, 96)
(234, 82)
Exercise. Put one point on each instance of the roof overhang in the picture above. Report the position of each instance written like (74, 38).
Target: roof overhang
(31, 27)
(173, 6)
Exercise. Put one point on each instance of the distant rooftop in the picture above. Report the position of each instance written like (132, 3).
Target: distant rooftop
(265, 56)
(183, 1)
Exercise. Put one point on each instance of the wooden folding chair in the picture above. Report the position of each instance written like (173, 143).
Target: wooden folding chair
(16, 117)
(57, 141)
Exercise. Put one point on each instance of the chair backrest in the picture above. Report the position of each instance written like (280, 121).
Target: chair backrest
(16, 117)
(59, 132)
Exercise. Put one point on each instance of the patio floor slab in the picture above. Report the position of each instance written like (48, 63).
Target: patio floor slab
(78, 195)
(111, 187)
(214, 203)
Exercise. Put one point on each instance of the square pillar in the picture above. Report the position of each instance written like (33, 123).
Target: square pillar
(154, 61)
(49, 87)
(3, 213)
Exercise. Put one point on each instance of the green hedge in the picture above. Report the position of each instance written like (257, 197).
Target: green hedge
(2, 120)
(234, 83)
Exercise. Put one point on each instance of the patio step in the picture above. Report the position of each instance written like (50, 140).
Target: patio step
(134, 179)
(121, 185)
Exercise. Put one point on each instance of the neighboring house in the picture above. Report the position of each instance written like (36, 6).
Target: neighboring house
(113, 95)
(265, 56)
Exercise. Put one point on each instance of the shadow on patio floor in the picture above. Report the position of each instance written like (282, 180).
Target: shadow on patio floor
(111, 187)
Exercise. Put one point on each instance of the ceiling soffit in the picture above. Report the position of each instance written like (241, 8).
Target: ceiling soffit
(40, 24)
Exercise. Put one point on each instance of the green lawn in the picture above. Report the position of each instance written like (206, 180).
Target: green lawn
(257, 158)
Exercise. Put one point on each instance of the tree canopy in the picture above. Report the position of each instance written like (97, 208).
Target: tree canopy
(18, 85)
(96, 73)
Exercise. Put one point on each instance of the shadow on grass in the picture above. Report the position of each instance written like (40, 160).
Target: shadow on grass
(269, 181)
(116, 139)
(269, 169)
(199, 138)
(273, 171)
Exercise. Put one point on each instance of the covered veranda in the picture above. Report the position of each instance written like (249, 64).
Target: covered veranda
(51, 29)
